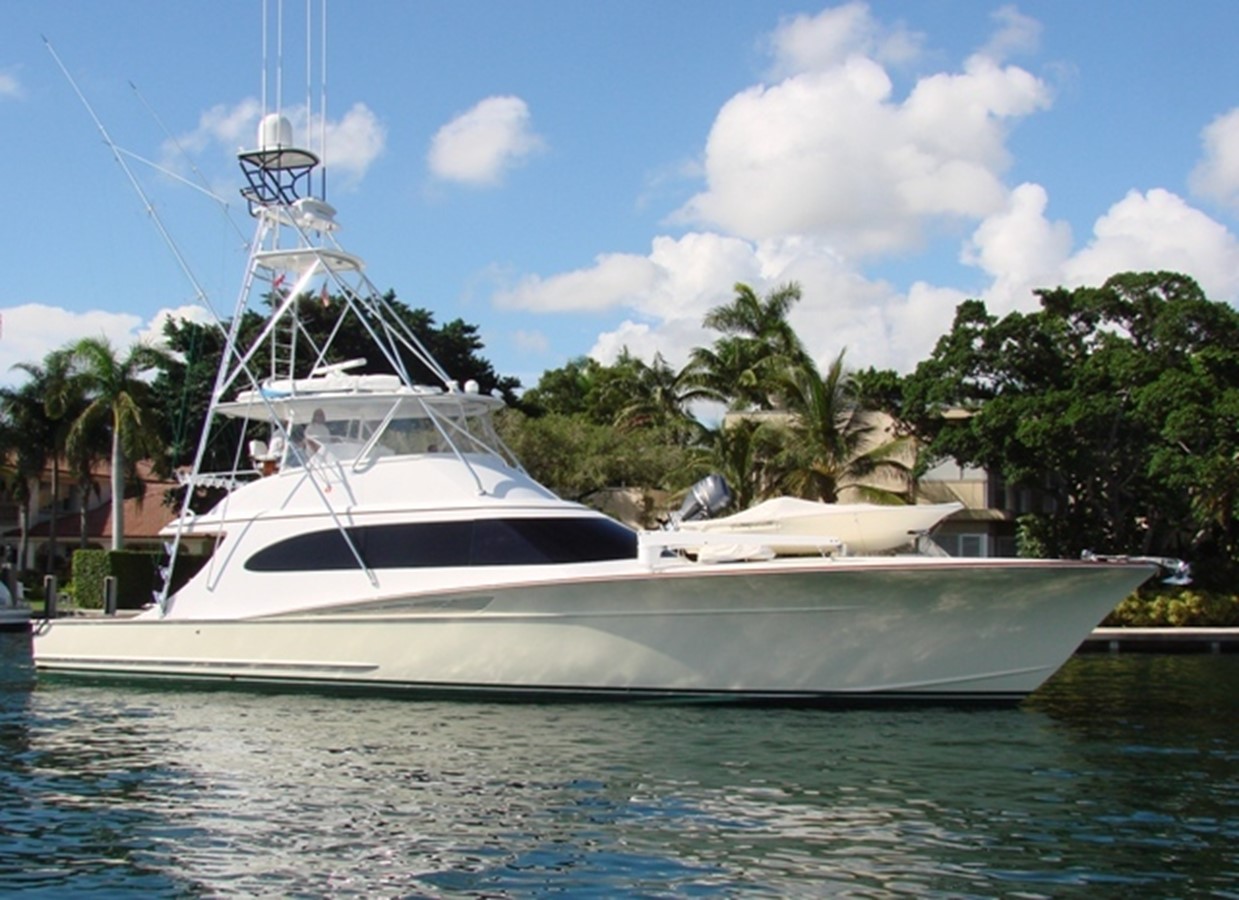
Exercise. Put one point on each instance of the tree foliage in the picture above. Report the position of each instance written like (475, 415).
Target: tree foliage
(756, 345)
(791, 430)
(186, 379)
(576, 457)
(1120, 404)
(118, 399)
(833, 442)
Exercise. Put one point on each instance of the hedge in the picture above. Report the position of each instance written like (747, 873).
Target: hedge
(135, 573)
(1169, 608)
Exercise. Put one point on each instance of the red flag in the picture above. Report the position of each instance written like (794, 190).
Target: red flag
(279, 280)
(324, 296)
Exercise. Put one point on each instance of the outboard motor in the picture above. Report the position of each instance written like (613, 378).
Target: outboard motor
(706, 498)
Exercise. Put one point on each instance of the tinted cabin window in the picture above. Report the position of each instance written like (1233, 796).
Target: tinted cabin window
(491, 542)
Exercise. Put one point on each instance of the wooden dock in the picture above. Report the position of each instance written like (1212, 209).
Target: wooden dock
(1162, 640)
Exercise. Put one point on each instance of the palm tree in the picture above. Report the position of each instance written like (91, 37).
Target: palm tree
(741, 451)
(116, 393)
(84, 455)
(832, 442)
(757, 343)
(660, 397)
(28, 437)
(54, 382)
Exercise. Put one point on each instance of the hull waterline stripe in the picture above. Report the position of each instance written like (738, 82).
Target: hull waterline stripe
(558, 692)
(291, 672)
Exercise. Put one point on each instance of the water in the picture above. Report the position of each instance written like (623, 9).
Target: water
(1121, 777)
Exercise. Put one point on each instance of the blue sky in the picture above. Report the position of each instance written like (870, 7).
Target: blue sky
(579, 177)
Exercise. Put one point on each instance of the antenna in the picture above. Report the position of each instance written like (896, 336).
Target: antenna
(309, 56)
(322, 112)
(264, 58)
(275, 103)
(279, 57)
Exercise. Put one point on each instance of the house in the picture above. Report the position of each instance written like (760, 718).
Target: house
(144, 517)
(985, 526)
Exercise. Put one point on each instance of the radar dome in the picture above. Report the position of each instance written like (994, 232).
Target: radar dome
(274, 132)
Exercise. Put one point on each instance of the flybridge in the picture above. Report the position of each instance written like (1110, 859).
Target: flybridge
(340, 394)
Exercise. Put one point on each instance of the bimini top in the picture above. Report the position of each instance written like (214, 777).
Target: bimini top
(341, 395)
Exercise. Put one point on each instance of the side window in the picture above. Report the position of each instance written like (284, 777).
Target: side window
(319, 550)
(489, 542)
(421, 544)
(515, 542)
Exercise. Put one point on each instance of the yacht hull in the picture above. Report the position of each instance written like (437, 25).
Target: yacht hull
(853, 632)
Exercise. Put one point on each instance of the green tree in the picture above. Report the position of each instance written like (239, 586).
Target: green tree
(576, 457)
(62, 402)
(564, 391)
(35, 421)
(1120, 403)
(583, 386)
(27, 434)
(757, 343)
(661, 397)
(831, 442)
(742, 451)
(116, 393)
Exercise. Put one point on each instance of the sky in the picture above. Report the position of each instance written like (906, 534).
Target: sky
(575, 178)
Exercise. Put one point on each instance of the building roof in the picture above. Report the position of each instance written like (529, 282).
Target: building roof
(144, 516)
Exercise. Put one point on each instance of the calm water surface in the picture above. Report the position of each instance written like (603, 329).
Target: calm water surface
(1120, 778)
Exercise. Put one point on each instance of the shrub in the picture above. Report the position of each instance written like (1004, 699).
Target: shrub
(134, 572)
(1176, 607)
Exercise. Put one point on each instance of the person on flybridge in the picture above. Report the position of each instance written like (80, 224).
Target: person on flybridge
(317, 433)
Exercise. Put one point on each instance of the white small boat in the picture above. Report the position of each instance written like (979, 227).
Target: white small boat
(14, 616)
(861, 528)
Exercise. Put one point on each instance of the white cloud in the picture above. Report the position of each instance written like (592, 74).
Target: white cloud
(152, 332)
(1016, 34)
(680, 278)
(10, 87)
(831, 152)
(33, 330)
(1216, 176)
(814, 43)
(638, 338)
(1019, 248)
(805, 176)
(839, 308)
(354, 142)
(479, 146)
(1157, 231)
(697, 272)
(615, 279)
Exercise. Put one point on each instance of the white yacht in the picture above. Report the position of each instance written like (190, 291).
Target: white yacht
(375, 533)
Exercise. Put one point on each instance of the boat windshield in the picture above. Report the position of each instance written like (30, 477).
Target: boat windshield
(406, 429)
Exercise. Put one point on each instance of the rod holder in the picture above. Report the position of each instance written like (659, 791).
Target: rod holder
(51, 593)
